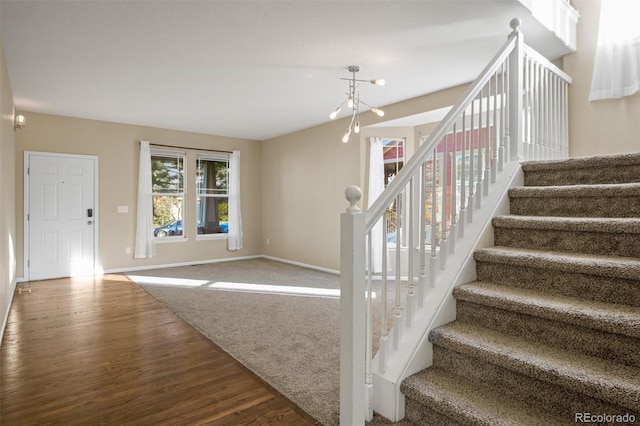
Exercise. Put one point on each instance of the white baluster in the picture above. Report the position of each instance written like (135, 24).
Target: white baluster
(544, 91)
(384, 328)
(463, 178)
(507, 108)
(495, 134)
(538, 117)
(454, 191)
(445, 182)
(565, 109)
(472, 135)
(528, 108)
(487, 143)
(478, 193)
(410, 251)
(423, 236)
(397, 308)
(434, 219)
(553, 115)
(501, 152)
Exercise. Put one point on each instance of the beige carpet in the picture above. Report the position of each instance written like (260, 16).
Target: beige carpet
(280, 320)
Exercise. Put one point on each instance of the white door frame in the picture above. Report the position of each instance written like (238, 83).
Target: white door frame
(26, 193)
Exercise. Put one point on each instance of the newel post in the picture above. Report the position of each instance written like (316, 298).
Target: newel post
(352, 311)
(516, 73)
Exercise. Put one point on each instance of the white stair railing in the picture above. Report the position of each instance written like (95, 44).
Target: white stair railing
(515, 110)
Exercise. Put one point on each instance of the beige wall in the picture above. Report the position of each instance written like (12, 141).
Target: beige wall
(304, 176)
(7, 194)
(117, 148)
(600, 127)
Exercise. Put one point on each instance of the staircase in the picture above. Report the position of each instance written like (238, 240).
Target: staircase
(550, 330)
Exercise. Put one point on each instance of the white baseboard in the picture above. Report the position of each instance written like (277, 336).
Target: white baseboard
(6, 314)
(174, 265)
(203, 262)
(304, 265)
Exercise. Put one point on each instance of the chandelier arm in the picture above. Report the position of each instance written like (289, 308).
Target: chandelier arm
(366, 104)
(358, 80)
(353, 118)
(353, 101)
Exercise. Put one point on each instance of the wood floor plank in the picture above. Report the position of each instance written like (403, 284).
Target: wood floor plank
(103, 351)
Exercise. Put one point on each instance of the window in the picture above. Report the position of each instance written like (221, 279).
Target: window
(212, 194)
(393, 154)
(393, 157)
(167, 183)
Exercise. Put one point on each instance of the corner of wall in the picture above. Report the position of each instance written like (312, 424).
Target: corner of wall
(7, 185)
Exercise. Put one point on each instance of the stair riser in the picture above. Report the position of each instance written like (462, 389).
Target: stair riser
(576, 206)
(550, 397)
(598, 243)
(615, 347)
(420, 414)
(585, 286)
(585, 176)
(517, 362)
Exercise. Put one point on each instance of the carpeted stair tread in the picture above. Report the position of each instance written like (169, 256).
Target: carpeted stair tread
(574, 224)
(616, 168)
(608, 266)
(612, 190)
(598, 378)
(605, 161)
(470, 403)
(612, 318)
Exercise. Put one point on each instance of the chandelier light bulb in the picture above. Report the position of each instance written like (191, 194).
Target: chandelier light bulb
(356, 129)
(350, 102)
(345, 138)
(378, 112)
(335, 113)
(378, 82)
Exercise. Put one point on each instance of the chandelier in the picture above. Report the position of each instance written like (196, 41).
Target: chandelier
(353, 101)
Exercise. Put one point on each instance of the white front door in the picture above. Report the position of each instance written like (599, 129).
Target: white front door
(60, 215)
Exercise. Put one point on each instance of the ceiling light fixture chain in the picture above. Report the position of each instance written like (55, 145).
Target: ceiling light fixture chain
(353, 101)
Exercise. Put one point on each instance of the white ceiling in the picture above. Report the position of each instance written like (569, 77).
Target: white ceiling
(248, 69)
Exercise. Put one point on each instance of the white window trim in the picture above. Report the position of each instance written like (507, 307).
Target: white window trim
(218, 236)
(177, 153)
(172, 239)
(208, 156)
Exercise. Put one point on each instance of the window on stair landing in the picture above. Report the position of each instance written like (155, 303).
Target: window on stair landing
(212, 194)
(393, 156)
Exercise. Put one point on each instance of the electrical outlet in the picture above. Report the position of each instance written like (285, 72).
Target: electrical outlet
(268, 241)
(127, 250)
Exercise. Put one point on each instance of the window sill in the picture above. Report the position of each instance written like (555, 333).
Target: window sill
(165, 240)
(205, 237)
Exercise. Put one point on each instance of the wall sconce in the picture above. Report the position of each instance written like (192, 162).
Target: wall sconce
(19, 122)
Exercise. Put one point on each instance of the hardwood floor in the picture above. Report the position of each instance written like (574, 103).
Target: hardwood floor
(103, 351)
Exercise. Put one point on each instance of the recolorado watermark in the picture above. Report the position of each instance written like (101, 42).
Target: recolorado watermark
(604, 418)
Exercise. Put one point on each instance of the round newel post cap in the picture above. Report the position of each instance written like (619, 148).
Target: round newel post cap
(353, 194)
(515, 24)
